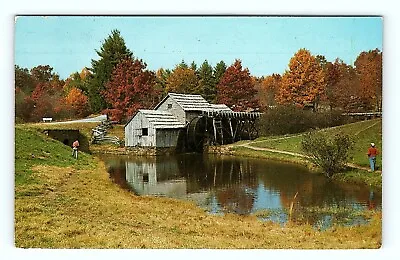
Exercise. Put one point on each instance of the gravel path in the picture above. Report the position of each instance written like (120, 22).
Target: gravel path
(97, 119)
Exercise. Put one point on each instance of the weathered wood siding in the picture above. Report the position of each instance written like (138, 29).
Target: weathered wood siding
(175, 109)
(167, 137)
(134, 135)
(192, 114)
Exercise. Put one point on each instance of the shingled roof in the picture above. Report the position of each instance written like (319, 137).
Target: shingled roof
(220, 107)
(160, 119)
(190, 102)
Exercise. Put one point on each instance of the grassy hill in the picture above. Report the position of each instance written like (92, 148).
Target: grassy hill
(33, 148)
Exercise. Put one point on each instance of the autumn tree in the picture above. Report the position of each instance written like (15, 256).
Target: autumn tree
(219, 71)
(78, 102)
(236, 88)
(342, 87)
(130, 88)
(369, 70)
(78, 80)
(112, 51)
(38, 93)
(267, 90)
(332, 77)
(206, 82)
(303, 83)
(46, 96)
(182, 80)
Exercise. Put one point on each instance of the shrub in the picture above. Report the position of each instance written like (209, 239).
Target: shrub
(330, 152)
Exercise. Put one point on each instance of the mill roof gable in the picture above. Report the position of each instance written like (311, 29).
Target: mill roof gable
(160, 119)
(190, 102)
(187, 102)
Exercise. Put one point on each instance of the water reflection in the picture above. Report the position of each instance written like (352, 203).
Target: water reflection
(223, 184)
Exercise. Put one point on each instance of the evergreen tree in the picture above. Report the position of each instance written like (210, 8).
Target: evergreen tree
(182, 65)
(111, 53)
(24, 80)
(219, 70)
(161, 80)
(207, 82)
(193, 66)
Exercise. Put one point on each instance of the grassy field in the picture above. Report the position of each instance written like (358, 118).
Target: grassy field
(65, 203)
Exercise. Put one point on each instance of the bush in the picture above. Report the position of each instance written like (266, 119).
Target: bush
(330, 152)
(291, 120)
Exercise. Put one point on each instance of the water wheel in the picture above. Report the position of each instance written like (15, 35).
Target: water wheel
(197, 133)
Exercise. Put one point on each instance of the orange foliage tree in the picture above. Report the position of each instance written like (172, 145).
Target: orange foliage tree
(182, 80)
(130, 88)
(78, 102)
(343, 88)
(304, 82)
(369, 70)
(236, 88)
(268, 89)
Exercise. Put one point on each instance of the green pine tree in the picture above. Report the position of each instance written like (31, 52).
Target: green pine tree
(207, 82)
(219, 70)
(111, 53)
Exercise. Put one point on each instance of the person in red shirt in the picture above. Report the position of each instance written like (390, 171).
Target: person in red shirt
(75, 146)
(372, 153)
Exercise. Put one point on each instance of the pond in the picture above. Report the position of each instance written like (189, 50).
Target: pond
(229, 184)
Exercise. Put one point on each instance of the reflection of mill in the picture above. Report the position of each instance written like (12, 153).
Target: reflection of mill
(151, 178)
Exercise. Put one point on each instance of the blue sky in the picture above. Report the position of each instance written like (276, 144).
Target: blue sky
(264, 44)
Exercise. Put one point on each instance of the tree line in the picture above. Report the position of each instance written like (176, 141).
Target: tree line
(118, 83)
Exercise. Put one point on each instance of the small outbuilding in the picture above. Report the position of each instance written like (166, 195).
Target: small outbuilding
(152, 128)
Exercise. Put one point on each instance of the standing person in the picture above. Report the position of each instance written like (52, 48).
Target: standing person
(75, 146)
(372, 152)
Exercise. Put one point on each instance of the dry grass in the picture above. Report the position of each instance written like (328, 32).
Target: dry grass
(72, 208)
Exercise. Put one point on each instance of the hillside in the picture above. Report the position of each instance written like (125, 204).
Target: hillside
(362, 133)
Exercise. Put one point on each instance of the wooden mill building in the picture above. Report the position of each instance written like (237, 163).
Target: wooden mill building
(187, 120)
